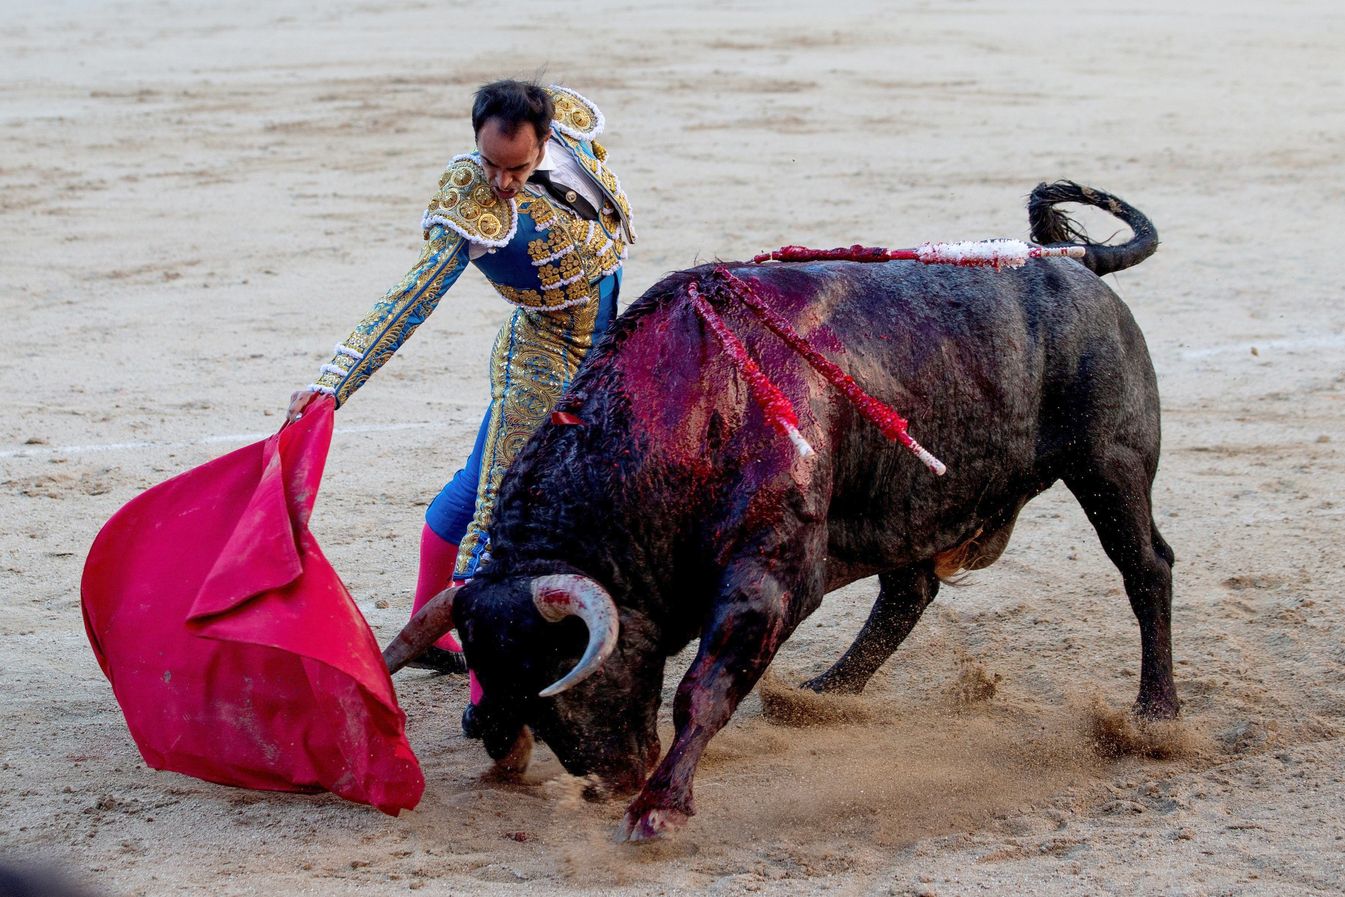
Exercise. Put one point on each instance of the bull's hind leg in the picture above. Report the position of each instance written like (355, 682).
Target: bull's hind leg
(903, 596)
(1115, 496)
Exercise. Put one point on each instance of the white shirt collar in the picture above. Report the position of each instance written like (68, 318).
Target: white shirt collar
(549, 160)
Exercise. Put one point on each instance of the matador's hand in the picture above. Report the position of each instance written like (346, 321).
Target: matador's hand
(298, 402)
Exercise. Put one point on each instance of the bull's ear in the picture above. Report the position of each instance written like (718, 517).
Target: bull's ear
(566, 595)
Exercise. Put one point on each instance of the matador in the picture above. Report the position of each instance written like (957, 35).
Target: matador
(539, 212)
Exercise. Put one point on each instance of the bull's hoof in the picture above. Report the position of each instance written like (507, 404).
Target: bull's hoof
(835, 685)
(439, 660)
(1156, 708)
(471, 722)
(651, 825)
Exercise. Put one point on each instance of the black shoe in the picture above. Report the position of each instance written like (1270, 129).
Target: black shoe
(440, 661)
(471, 726)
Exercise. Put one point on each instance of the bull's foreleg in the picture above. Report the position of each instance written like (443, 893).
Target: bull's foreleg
(754, 613)
(903, 596)
(1115, 496)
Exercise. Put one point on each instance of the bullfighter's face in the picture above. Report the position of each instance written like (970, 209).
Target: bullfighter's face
(605, 725)
(508, 158)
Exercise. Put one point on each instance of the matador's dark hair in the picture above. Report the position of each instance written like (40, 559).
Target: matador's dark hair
(514, 103)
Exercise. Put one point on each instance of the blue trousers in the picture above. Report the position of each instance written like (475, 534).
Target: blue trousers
(452, 510)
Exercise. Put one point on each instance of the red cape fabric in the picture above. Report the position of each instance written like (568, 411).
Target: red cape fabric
(233, 648)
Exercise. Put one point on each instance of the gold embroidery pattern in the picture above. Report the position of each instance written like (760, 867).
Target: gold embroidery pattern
(466, 204)
(610, 185)
(571, 255)
(561, 271)
(397, 315)
(556, 242)
(543, 215)
(601, 252)
(575, 114)
(515, 296)
(532, 363)
(547, 300)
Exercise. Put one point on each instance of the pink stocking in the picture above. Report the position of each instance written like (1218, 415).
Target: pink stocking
(474, 694)
(437, 559)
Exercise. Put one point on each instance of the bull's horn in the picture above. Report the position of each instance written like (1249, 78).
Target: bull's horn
(564, 595)
(427, 626)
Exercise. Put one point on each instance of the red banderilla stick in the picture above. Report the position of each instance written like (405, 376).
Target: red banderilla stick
(892, 424)
(995, 254)
(779, 410)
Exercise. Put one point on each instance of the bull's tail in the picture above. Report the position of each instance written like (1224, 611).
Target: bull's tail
(1050, 226)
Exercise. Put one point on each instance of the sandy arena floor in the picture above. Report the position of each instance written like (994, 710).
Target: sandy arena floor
(197, 200)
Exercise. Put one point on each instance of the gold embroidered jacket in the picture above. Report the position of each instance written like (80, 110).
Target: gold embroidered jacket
(542, 258)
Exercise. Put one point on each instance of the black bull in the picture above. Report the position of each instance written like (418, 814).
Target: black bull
(674, 510)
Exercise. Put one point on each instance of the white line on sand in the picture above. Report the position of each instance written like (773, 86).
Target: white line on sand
(1310, 342)
(28, 451)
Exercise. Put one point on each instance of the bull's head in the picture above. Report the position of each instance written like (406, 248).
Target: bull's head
(555, 656)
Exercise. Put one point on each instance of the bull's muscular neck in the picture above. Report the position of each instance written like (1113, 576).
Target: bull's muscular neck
(648, 495)
(577, 500)
(636, 556)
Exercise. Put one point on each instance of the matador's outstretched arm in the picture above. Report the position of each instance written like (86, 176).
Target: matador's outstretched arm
(395, 317)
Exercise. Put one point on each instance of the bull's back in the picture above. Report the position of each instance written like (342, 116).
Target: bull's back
(676, 466)
(1005, 376)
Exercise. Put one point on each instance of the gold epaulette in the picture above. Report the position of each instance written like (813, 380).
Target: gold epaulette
(466, 205)
(575, 116)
